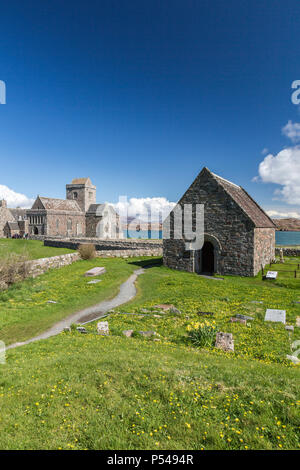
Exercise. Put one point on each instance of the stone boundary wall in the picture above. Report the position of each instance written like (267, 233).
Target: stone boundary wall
(129, 253)
(288, 251)
(37, 267)
(107, 244)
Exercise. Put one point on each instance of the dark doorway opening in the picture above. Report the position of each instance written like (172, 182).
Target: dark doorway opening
(36, 231)
(208, 259)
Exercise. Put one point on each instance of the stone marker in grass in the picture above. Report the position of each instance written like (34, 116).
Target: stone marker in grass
(298, 322)
(95, 271)
(224, 341)
(238, 320)
(275, 315)
(94, 281)
(271, 275)
(243, 317)
(81, 329)
(167, 308)
(102, 328)
(127, 333)
(147, 334)
(289, 327)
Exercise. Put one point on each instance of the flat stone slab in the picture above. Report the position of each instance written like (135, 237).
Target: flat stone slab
(94, 281)
(127, 333)
(256, 302)
(205, 313)
(294, 359)
(51, 302)
(271, 275)
(298, 322)
(238, 320)
(148, 334)
(274, 315)
(167, 308)
(243, 317)
(95, 271)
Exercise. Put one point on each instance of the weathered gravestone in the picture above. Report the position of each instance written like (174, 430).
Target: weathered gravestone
(95, 271)
(224, 341)
(102, 328)
(94, 281)
(298, 322)
(275, 315)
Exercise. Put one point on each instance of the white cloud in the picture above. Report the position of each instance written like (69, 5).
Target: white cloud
(265, 151)
(138, 207)
(14, 199)
(282, 215)
(292, 131)
(283, 169)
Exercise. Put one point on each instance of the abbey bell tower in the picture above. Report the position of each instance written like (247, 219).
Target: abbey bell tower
(82, 191)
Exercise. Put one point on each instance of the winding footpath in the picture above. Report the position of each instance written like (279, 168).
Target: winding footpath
(126, 293)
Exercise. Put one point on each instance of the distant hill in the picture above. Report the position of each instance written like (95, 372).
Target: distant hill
(286, 225)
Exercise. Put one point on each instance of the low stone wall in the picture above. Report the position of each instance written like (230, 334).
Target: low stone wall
(37, 267)
(107, 244)
(288, 251)
(129, 253)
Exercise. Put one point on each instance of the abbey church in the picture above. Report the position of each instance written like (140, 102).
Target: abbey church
(76, 216)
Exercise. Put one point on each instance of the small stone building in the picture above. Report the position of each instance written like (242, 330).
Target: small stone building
(76, 216)
(12, 216)
(239, 237)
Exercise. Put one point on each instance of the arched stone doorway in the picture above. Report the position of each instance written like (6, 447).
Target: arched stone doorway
(207, 259)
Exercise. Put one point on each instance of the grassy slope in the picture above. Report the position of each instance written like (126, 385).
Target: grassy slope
(34, 248)
(269, 342)
(24, 308)
(89, 392)
(86, 391)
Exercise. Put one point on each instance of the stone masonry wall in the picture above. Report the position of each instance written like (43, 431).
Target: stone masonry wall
(264, 247)
(105, 245)
(288, 251)
(39, 266)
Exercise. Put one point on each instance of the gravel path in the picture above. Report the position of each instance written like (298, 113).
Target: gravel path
(127, 292)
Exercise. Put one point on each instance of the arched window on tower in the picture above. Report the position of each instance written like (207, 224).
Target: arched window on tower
(75, 195)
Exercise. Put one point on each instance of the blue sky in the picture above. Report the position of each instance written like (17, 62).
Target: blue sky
(141, 95)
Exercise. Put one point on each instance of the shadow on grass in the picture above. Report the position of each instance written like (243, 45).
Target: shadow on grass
(147, 263)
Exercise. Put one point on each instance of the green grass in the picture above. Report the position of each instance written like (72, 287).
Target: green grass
(24, 308)
(79, 391)
(268, 342)
(34, 248)
(76, 391)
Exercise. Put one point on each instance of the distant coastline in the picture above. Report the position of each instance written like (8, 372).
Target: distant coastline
(287, 225)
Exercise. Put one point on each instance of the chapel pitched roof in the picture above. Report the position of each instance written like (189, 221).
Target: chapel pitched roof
(245, 202)
(50, 203)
